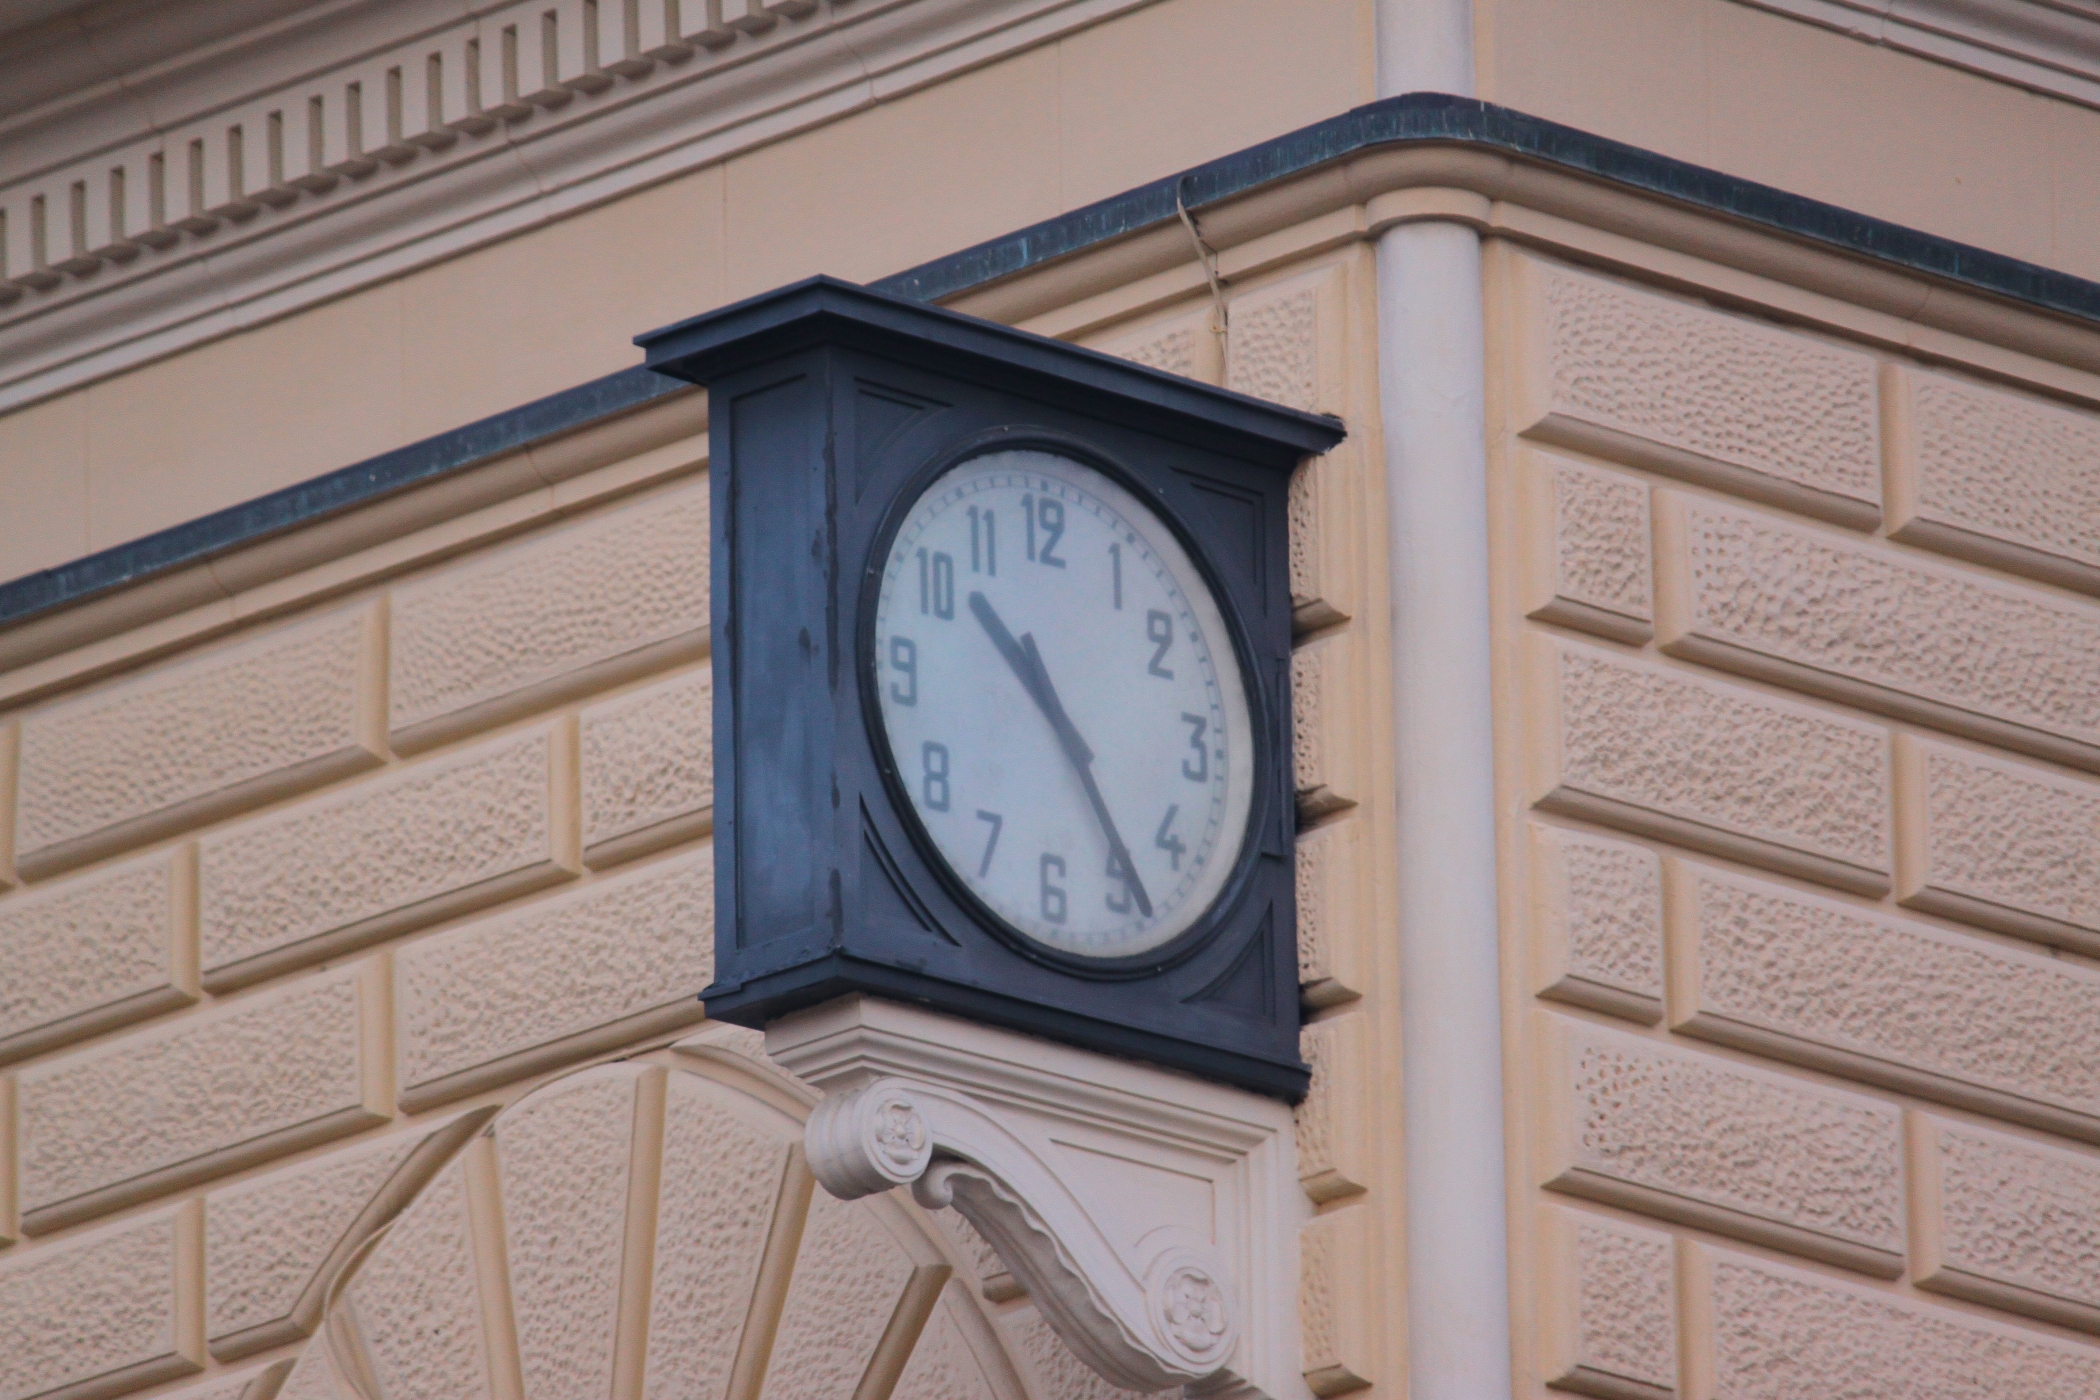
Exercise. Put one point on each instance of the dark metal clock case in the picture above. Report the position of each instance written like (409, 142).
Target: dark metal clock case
(830, 409)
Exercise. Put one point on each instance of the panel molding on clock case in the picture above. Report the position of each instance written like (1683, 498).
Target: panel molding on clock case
(832, 408)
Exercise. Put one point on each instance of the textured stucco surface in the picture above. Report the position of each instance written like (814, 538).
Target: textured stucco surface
(1783, 1335)
(1966, 437)
(719, 1203)
(265, 1238)
(1275, 348)
(1723, 387)
(259, 1069)
(1825, 974)
(565, 1159)
(2011, 835)
(188, 731)
(77, 946)
(1600, 539)
(942, 1366)
(417, 1302)
(2017, 1213)
(1625, 1311)
(527, 615)
(1723, 756)
(616, 948)
(105, 1302)
(1867, 614)
(1681, 1127)
(1602, 903)
(648, 758)
(412, 838)
(849, 1276)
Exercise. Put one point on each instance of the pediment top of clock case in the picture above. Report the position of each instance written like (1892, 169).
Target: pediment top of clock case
(831, 311)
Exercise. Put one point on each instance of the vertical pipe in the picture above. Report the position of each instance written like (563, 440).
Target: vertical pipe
(1432, 371)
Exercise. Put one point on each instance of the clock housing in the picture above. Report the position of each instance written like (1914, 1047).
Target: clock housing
(831, 410)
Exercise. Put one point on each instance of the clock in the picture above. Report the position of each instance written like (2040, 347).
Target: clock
(1070, 730)
(1001, 642)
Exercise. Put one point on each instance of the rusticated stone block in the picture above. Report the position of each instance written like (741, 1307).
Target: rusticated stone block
(2007, 1222)
(274, 1245)
(1586, 559)
(630, 955)
(418, 1303)
(648, 769)
(1682, 388)
(110, 1311)
(201, 1096)
(1998, 477)
(98, 952)
(2005, 845)
(1334, 1158)
(1863, 624)
(566, 1156)
(421, 844)
(1334, 900)
(1762, 1331)
(1675, 755)
(184, 743)
(739, 1181)
(1327, 726)
(563, 612)
(1840, 988)
(1610, 1308)
(1337, 1251)
(1642, 1124)
(1597, 923)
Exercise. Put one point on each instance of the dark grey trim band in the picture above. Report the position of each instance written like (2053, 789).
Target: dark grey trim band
(1418, 118)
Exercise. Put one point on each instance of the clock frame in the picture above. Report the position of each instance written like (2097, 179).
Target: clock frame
(830, 409)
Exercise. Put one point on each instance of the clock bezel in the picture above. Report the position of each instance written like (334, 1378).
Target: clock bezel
(1219, 914)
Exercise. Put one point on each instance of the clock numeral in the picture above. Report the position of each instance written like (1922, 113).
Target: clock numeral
(1040, 512)
(1053, 896)
(1165, 838)
(991, 842)
(984, 553)
(1159, 629)
(1118, 897)
(904, 656)
(1115, 570)
(934, 788)
(1200, 772)
(937, 585)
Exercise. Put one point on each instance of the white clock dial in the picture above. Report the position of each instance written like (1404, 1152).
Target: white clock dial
(1063, 703)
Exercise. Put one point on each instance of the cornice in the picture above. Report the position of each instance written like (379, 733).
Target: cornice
(335, 144)
(1425, 155)
(2050, 46)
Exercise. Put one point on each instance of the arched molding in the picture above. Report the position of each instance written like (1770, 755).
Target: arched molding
(649, 1230)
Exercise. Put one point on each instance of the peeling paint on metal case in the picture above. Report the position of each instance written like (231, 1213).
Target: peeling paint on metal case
(833, 406)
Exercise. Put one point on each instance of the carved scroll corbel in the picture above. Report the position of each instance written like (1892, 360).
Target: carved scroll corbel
(1148, 1314)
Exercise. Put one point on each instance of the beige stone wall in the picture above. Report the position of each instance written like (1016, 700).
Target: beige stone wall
(1801, 843)
(305, 887)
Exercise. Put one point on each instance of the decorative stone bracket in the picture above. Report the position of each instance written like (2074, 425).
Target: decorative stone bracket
(1150, 1216)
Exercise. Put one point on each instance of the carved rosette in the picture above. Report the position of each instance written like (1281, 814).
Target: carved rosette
(1150, 1323)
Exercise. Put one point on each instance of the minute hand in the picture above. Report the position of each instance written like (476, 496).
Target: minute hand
(1027, 664)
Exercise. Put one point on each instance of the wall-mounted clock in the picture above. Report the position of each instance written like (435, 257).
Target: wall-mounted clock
(1001, 650)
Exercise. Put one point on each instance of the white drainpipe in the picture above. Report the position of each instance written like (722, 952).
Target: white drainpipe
(1432, 367)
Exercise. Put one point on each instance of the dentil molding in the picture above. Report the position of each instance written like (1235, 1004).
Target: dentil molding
(1152, 1217)
(336, 143)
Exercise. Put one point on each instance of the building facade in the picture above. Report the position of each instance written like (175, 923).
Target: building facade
(1695, 687)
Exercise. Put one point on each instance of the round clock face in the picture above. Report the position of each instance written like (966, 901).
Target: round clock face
(1063, 704)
